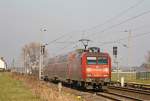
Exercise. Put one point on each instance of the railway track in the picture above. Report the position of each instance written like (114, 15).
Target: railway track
(107, 96)
(113, 94)
(135, 85)
(129, 89)
(97, 96)
(119, 94)
(117, 97)
(138, 94)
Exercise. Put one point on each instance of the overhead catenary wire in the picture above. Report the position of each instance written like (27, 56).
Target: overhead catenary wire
(108, 42)
(141, 27)
(129, 19)
(124, 38)
(65, 42)
(116, 16)
(120, 23)
(66, 46)
(60, 37)
(99, 25)
(71, 42)
(110, 27)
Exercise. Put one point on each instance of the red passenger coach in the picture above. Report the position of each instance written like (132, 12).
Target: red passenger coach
(86, 69)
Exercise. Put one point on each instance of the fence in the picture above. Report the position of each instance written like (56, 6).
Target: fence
(131, 76)
(128, 76)
(143, 75)
(26, 71)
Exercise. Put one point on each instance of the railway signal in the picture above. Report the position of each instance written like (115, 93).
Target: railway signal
(42, 49)
(115, 51)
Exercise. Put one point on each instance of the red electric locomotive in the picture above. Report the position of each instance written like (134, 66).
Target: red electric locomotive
(86, 69)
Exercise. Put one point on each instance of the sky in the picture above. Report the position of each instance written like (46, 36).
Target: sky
(101, 21)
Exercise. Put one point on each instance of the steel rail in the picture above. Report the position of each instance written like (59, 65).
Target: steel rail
(124, 96)
(108, 97)
(140, 91)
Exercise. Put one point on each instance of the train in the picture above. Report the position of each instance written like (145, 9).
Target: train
(88, 69)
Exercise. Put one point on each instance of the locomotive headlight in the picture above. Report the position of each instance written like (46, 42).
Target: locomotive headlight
(88, 69)
(89, 75)
(106, 69)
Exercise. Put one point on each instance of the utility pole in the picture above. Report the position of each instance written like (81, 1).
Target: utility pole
(40, 62)
(41, 57)
(29, 63)
(129, 53)
(24, 61)
(129, 50)
(117, 63)
(13, 65)
(42, 53)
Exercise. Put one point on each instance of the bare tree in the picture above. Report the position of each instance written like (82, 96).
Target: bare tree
(31, 57)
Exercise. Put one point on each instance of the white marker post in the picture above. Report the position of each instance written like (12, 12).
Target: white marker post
(59, 87)
(122, 81)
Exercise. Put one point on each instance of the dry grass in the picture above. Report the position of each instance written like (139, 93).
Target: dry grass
(14, 90)
(43, 91)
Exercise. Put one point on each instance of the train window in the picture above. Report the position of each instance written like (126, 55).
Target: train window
(91, 60)
(102, 60)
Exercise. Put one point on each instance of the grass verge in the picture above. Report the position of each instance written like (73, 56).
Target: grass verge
(14, 90)
(43, 90)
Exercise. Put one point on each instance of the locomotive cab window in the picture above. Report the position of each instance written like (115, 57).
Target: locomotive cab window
(102, 60)
(91, 60)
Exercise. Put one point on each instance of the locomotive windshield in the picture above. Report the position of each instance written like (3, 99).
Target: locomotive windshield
(91, 60)
(102, 60)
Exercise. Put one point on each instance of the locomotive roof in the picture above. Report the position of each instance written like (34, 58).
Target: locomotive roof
(80, 52)
(97, 54)
(76, 53)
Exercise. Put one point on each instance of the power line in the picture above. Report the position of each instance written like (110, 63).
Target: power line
(117, 16)
(66, 46)
(108, 42)
(120, 39)
(129, 19)
(64, 42)
(62, 36)
(125, 21)
(109, 20)
(140, 27)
